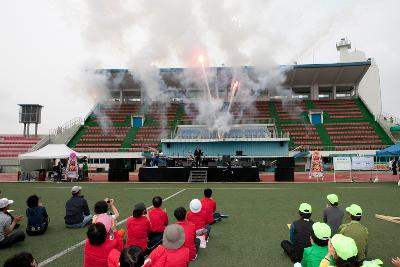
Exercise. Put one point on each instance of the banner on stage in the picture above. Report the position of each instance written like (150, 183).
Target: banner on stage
(317, 166)
(363, 163)
(342, 163)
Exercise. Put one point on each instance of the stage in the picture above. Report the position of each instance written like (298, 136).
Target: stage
(214, 174)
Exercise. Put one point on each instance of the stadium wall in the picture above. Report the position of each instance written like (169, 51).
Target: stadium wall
(219, 148)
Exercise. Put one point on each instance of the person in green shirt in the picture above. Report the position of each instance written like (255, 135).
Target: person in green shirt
(312, 256)
(356, 230)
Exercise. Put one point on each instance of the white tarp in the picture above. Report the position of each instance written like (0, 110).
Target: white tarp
(362, 163)
(342, 163)
(52, 151)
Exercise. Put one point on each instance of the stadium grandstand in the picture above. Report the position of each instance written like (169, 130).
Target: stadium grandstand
(345, 96)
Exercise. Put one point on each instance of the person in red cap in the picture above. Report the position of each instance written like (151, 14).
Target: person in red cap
(138, 227)
(172, 252)
(191, 242)
(158, 220)
(98, 246)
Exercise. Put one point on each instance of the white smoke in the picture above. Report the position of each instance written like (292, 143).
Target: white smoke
(177, 32)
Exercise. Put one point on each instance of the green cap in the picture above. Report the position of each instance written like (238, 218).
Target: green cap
(373, 263)
(305, 208)
(332, 198)
(321, 230)
(344, 246)
(354, 210)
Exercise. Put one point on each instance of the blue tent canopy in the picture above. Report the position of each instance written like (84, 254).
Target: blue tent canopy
(389, 151)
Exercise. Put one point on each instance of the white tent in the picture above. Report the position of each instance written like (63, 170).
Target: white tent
(53, 151)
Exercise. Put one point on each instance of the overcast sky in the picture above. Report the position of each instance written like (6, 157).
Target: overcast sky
(46, 45)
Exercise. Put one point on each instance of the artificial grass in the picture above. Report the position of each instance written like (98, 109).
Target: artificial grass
(250, 237)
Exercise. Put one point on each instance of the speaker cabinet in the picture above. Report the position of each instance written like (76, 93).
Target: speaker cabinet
(118, 175)
(284, 174)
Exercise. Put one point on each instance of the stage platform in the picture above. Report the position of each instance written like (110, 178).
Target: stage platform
(214, 174)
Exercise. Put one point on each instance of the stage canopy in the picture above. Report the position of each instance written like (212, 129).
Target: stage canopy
(54, 151)
(389, 151)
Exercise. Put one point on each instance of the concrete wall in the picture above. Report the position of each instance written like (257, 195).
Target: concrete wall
(213, 149)
(369, 88)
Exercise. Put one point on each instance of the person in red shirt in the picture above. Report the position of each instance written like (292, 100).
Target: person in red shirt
(129, 257)
(158, 219)
(210, 206)
(198, 216)
(98, 246)
(172, 252)
(191, 242)
(138, 227)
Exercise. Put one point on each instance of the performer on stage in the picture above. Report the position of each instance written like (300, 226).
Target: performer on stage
(197, 155)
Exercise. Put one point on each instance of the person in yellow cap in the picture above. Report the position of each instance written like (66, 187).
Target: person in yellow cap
(356, 230)
(312, 256)
(373, 263)
(344, 252)
(333, 214)
(300, 232)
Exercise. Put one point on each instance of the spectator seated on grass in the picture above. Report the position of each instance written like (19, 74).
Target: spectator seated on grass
(158, 220)
(172, 252)
(22, 259)
(191, 242)
(300, 232)
(98, 246)
(106, 212)
(344, 252)
(356, 230)
(8, 235)
(312, 256)
(129, 257)
(37, 217)
(138, 227)
(210, 206)
(333, 214)
(77, 213)
(198, 216)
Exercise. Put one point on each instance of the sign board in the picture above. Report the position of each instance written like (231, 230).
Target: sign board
(362, 163)
(342, 163)
(317, 166)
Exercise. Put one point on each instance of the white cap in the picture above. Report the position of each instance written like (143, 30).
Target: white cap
(76, 189)
(4, 202)
(195, 205)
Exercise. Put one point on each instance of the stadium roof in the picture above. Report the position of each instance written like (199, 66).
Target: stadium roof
(339, 74)
(343, 75)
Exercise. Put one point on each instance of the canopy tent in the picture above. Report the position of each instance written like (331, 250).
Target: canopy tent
(53, 151)
(389, 151)
(41, 159)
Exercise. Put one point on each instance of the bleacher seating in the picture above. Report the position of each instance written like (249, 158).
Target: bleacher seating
(11, 146)
(347, 125)
(108, 129)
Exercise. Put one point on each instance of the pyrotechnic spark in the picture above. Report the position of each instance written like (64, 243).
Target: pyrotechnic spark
(200, 58)
(234, 88)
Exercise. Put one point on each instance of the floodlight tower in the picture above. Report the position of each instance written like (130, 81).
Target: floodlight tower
(343, 46)
(30, 113)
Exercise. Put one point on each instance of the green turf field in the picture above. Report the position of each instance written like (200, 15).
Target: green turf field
(250, 237)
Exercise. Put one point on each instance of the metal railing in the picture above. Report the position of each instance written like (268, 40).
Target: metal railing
(337, 148)
(390, 118)
(66, 126)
